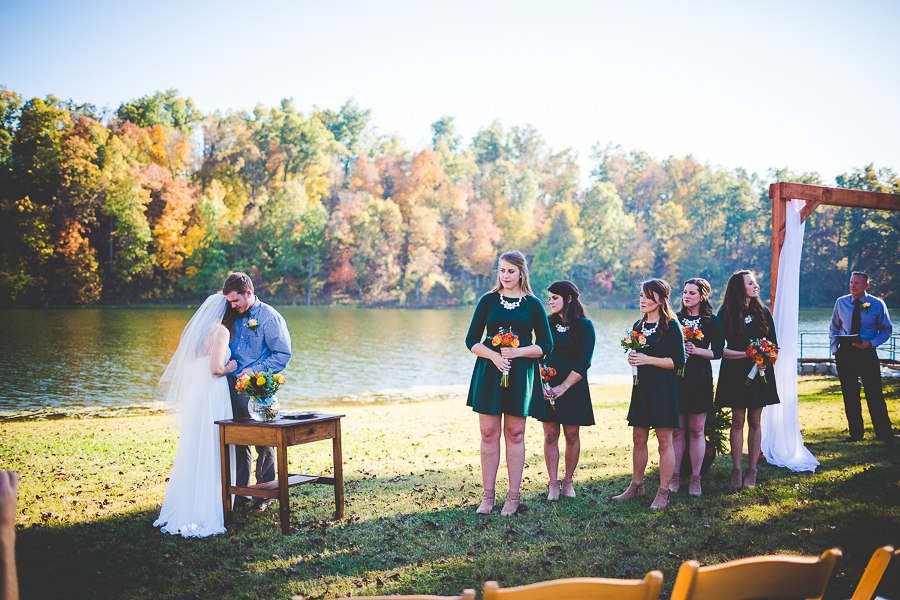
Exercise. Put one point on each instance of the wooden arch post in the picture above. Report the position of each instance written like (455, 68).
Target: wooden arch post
(815, 196)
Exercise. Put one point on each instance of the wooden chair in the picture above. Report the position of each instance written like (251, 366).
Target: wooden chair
(466, 595)
(581, 588)
(872, 575)
(799, 577)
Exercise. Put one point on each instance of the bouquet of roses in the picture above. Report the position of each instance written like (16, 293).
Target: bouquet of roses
(691, 334)
(764, 353)
(505, 338)
(260, 385)
(632, 342)
(546, 374)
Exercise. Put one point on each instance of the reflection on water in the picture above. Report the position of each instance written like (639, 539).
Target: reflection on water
(113, 357)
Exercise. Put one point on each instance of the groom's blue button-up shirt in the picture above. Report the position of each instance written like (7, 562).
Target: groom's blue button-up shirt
(875, 321)
(268, 346)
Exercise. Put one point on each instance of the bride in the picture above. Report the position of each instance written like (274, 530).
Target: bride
(197, 395)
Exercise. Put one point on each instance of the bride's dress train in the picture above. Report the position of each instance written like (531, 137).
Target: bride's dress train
(193, 503)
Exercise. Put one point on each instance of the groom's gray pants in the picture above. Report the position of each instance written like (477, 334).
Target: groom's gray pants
(265, 459)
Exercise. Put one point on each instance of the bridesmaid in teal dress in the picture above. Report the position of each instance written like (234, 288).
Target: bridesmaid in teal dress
(654, 399)
(510, 306)
(573, 348)
(744, 318)
(695, 386)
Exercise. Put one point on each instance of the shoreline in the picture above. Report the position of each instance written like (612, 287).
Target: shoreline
(386, 397)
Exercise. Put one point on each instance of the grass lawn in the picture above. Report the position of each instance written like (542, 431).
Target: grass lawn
(90, 490)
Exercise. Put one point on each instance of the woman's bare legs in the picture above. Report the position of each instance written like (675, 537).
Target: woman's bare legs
(666, 466)
(490, 426)
(573, 450)
(678, 437)
(514, 432)
(737, 444)
(551, 457)
(639, 436)
(696, 425)
(754, 437)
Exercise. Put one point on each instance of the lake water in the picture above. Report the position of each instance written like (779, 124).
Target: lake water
(62, 360)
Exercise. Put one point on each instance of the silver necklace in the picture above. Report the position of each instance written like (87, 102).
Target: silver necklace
(510, 305)
(561, 328)
(647, 331)
(748, 319)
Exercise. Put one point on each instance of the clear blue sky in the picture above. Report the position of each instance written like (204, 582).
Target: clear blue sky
(812, 86)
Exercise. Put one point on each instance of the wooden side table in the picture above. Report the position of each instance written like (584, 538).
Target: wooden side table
(280, 434)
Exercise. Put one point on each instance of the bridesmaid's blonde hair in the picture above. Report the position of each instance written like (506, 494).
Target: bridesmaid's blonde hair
(517, 259)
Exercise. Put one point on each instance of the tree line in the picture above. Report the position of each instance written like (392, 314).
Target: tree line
(157, 202)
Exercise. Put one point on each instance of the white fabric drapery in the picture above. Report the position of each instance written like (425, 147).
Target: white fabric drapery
(782, 442)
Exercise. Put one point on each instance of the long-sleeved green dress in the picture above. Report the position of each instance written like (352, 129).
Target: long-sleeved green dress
(654, 400)
(524, 397)
(695, 387)
(731, 391)
(572, 351)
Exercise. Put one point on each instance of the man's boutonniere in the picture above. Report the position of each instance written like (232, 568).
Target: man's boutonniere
(253, 324)
(866, 305)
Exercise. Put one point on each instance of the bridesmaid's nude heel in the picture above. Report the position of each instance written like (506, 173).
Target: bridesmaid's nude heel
(750, 479)
(511, 505)
(554, 491)
(661, 500)
(568, 489)
(487, 503)
(635, 490)
(736, 479)
(694, 487)
(675, 482)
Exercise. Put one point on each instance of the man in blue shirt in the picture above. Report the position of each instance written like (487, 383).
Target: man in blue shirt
(859, 313)
(261, 341)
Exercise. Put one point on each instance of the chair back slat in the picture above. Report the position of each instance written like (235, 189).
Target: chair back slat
(800, 577)
(581, 588)
(878, 564)
(468, 594)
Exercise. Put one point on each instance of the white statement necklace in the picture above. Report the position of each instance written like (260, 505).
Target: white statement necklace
(510, 305)
(646, 330)
(561, 328)
(690, 322)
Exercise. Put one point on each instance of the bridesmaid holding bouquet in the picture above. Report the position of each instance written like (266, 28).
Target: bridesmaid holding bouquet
(704, 342)
(654, 398)
(744, 319)
(506, 382)
(573, 347)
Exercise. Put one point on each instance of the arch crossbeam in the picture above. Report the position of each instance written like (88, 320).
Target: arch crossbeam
(815, 196)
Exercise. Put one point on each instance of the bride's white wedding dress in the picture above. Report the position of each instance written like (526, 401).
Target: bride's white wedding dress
(193, 503)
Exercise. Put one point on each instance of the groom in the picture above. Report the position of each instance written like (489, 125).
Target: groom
(261, 341)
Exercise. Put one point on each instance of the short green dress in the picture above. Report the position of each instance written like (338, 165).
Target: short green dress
(524, 397)
(731, 390)
(572, 351)
(695, 387)
(654, 400)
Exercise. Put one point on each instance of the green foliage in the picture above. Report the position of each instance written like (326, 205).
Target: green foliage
(322, 206)
(167, 108)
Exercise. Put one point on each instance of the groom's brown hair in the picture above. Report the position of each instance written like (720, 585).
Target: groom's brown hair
(237, 282)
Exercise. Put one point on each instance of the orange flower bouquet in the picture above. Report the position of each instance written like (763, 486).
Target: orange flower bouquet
(764, 353)
(546, 374)
(505, 338)
(632, 342)
(691, 334)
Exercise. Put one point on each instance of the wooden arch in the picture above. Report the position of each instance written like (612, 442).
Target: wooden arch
(815, 196)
